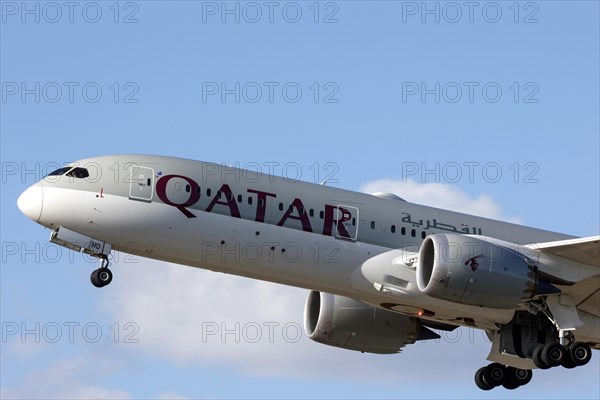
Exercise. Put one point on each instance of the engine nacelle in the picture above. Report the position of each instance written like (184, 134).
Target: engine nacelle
(470, 270)
(346, 323)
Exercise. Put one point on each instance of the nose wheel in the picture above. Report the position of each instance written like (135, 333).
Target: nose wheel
(101, 276)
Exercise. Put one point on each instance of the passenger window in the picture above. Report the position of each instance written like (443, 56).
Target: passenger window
(423, 235)
(372, 224)
(188, 188)
(239, 198)
(311, 212)
(208, 192)
(393, 228)
(413, 233)
(403, 231)
(250, 200)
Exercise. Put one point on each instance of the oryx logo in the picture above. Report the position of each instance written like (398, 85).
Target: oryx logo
(472, 262)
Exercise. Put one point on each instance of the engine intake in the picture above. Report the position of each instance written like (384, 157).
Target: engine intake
(343, 322)
(475, 271)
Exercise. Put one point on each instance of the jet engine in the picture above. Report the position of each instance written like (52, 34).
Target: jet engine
(349, 324)
(477, 271)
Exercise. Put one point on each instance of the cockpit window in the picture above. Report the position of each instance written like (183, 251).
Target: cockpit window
(78, 172)
(59, 171)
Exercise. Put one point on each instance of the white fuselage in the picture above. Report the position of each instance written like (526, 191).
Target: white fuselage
(263, 227)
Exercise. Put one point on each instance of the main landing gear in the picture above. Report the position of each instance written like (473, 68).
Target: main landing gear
(535, 335)
(102, 276)
(544, 356)
(554, 354)
(487, 378)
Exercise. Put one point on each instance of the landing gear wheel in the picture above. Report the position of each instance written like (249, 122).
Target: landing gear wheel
(537, 358)
(553, 354)
(580, 353)
(516, 377)
(480, 381)
(494, 374)
(94, 279)
(101, 277)
(568, 361)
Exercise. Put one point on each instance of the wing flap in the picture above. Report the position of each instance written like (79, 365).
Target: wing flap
(586, 295)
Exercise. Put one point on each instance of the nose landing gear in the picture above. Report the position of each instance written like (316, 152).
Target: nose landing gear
(102, 276)
(81, 243)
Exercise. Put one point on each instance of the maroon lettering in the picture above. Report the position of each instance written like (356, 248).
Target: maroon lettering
(329, 222)
(261, 203)
(229, 201)
(302, 216)
(161, 191)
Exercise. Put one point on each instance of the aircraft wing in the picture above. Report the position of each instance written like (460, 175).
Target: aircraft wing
(575, 263)
(582, 250)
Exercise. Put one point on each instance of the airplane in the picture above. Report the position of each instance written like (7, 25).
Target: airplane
(381, 272)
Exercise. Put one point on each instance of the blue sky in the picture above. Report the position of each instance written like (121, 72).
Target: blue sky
(490, 108)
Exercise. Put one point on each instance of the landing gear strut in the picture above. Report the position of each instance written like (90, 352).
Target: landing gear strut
(102, 276)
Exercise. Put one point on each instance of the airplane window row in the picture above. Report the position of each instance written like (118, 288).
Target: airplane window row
(261, 202)
(302, 211)
(413, 232)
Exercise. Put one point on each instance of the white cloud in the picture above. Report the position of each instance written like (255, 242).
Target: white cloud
(178, 308)
(439, 195)
(96, 393)
(69, 378)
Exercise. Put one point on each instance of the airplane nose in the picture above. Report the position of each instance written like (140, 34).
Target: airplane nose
(30, 202)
